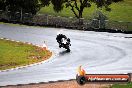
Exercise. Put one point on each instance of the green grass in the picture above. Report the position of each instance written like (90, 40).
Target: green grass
(11, 24)
(128, 85)
(21, 25)
(13, 54)
(121, 11)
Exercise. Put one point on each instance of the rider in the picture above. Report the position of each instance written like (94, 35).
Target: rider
(62, 39)
(59, 37)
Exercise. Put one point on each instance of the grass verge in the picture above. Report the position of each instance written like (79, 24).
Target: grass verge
(13, 54)
(120, 11)
(21, 25)
(128, 85)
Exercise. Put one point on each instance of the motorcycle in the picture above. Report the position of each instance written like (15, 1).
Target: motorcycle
(63, 42)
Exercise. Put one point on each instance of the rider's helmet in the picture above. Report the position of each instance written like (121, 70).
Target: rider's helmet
(68, 39)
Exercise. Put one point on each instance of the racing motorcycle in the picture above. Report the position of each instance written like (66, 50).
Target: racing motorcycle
(63, 42)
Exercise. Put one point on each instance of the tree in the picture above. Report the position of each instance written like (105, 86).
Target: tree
(16, 9)
(2, 4)
(28, 6)
(77, 6)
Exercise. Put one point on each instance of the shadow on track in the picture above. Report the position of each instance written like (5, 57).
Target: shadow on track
(62, 53)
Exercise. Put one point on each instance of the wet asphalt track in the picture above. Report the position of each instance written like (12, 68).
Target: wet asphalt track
(97, 52)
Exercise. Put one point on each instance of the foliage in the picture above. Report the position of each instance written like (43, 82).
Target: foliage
(128, 85)
(2, 5)
(27, 6)
(121, 11)
(78, 6)
(44, 2)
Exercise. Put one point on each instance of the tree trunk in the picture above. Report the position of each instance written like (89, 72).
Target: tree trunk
(21, 14)
(80, 17)
(80, 14)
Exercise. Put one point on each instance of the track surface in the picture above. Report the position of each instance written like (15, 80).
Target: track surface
(96, 52)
